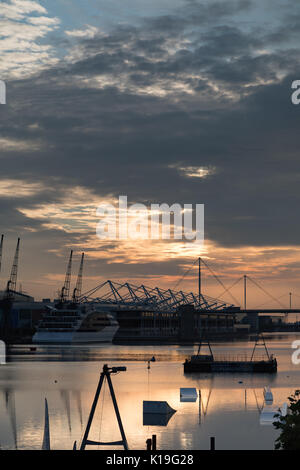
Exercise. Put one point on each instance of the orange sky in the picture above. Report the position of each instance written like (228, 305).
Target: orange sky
(152, 262)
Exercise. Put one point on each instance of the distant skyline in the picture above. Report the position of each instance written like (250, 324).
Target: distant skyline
(183, 101)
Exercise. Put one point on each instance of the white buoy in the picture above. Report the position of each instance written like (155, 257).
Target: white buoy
(284, 409)
(188, 395)
(270, 414)
(268, 395)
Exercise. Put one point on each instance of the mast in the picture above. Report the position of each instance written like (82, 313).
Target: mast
(66, 287)
(46, 439)
(77, 290)
(245, 291)
(11, 408)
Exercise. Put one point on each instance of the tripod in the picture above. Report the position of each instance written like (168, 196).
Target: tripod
(105, 374)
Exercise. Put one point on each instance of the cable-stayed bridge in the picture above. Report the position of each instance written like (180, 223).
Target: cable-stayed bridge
(132, 296)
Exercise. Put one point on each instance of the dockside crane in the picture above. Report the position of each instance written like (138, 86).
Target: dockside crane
(65, 291)
(8, 298)
(1, 249)
(77, 290)
(12, 282)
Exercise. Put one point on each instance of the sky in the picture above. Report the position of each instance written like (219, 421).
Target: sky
(182, 101)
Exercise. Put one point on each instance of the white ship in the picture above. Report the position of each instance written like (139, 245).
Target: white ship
(74, 323)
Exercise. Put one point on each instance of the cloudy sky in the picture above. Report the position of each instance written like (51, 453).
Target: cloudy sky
(185, 101)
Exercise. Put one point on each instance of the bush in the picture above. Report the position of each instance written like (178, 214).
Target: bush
(289, 438)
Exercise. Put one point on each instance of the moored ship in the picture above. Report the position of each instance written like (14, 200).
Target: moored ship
(75, 324)
(209, 363)
(73, 321)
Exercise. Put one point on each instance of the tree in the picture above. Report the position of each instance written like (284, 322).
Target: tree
(289, 438)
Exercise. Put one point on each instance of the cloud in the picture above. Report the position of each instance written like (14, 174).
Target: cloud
(44, 20)
(189, 107)
(13, 188)
(127, 122)
(195, 171)
(12, 145)
(89, 32)
(18, 9)
(22, 54)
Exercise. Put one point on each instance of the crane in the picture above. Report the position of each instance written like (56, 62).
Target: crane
(1, 248)
(77, 290)
(64, 295)
(12, 282)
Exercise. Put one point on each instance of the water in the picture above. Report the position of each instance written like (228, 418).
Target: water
(68, 377)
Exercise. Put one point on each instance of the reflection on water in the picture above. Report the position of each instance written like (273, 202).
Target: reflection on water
(229, 408)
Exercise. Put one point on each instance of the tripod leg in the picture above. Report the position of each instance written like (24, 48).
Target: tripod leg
(117, 412)
(92, 412)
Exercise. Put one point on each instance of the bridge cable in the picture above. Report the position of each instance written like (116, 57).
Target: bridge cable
(219, 280)
(266, 303)
(229, 288)
(265, 291)
(185, 274)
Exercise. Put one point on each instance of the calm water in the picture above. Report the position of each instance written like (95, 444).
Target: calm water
(68, 377)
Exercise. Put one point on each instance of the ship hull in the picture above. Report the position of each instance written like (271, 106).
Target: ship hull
(231, 366)
(75, 337)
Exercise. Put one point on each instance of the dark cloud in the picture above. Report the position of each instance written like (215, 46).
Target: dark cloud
(231, 110)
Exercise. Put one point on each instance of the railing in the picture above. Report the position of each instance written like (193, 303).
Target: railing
(238, 358)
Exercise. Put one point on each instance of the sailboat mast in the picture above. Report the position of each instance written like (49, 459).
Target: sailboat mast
(46, 438)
